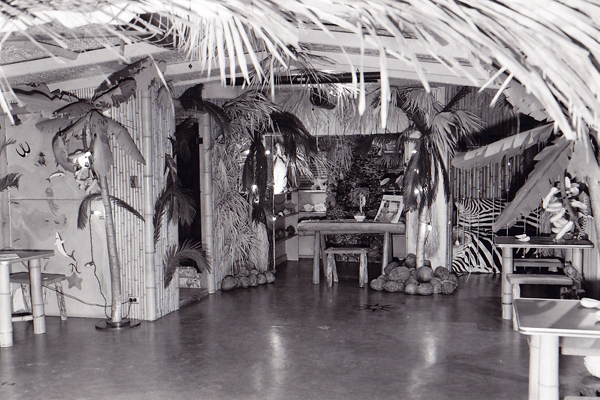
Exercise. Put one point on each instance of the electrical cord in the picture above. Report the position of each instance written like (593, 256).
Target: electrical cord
(95, 267)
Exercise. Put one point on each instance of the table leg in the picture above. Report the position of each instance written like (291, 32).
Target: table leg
(385, 258)
(37, 300)
(534, 365)
(507, 268)
(577, 259)
(548, 367)
(316, 257)
(6, 331)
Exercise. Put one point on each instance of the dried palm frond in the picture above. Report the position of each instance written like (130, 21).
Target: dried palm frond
(549, 46)
(175, 255)
(84, 208)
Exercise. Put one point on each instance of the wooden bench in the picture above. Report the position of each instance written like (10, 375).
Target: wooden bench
(331, 269)
(516, 280)
(22, 278)
(553, 264)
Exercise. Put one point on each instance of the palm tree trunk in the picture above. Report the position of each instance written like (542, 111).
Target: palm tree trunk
(113, 257)
(422, 236)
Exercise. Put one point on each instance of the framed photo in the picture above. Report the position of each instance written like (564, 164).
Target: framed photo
(390, 208)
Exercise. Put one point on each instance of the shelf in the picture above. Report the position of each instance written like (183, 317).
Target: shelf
(312, 191)
(286, 216)
(304, 214)
(281, 240)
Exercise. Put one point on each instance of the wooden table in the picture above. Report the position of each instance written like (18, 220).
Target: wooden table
(508, 243)
(335, 227)
(32, 257)
(546, 321)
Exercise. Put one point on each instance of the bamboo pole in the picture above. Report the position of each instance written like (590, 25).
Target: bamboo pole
(148, 152)
(207, 197)
(4, 196)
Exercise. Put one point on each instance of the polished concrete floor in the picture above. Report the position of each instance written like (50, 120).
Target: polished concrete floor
(289, 340)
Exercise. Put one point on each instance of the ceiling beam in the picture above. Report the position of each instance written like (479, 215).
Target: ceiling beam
(87, 58)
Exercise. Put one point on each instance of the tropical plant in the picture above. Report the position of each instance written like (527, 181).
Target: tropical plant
(434, 131)
(176, 254)
(175, 204)
(81, 142)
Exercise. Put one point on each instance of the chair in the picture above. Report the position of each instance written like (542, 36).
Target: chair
(22, 278)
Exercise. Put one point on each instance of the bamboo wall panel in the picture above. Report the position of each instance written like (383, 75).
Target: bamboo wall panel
(130, 229)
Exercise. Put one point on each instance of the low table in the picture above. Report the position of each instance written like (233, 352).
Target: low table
(546, 321)
(335, 227)
(32, 257)
(508, 243)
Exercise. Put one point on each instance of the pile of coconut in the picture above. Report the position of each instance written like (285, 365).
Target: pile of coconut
(247, 277)
(403, 276)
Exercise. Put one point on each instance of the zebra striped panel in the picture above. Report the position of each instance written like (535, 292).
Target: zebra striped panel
(473, 246)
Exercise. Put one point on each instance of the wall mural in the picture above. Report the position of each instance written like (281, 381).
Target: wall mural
(43, 215)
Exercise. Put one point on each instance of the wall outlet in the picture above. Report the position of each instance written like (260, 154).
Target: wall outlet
(133, 299)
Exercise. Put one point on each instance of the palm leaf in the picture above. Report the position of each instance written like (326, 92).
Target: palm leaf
(175, 255)
(9, 180)
(116, 95)
(60, 124)
(191, 100)
(176, 203)
(84, 208)
(39, 99)
(124, 140)
(552, 162)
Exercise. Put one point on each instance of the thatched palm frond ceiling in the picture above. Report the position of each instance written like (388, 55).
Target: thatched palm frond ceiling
(550, 46)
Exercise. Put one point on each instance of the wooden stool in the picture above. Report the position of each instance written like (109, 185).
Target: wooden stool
(22, 278)
(516, 280)
(331, 269)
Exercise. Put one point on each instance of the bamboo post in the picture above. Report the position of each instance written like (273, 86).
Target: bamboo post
(4, 196)
(206, 197)
(148, 153)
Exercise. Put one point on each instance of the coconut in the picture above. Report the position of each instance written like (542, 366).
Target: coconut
(448, 287)
(253, 280)
(424, 274)
(390, 286)
(425, 289)
(411, 280)
(254, 271)
(411, 260)
(411, 288)
(377, 284)
(270, 277)
(399, 274)
(442, 273)
(391, 266)
(229, 282)
(453, 278)
(262, 279)
(244, 281)
(244, 271)
(383, 277)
